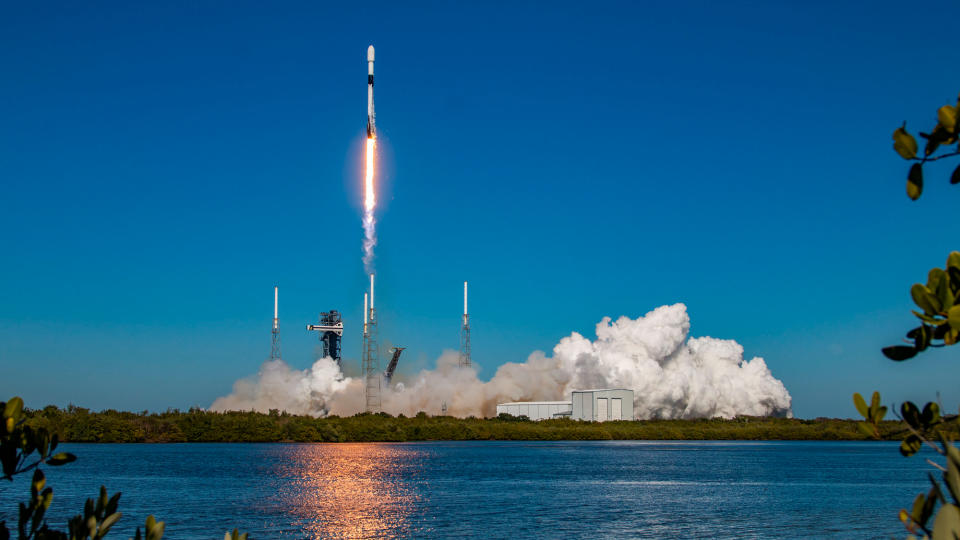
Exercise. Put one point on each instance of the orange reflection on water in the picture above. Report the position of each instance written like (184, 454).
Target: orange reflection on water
(361, 490)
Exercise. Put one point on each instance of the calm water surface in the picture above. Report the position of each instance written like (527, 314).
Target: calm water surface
(495, 489)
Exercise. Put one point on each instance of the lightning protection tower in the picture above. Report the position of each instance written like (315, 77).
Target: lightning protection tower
(371, 354)
(275, 333)
(465, 360)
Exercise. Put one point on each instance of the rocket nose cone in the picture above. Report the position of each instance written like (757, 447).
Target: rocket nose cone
(370, 53)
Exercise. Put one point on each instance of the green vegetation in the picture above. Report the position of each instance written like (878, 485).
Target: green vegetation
(76, 424)
(939, 314)
(24, 447)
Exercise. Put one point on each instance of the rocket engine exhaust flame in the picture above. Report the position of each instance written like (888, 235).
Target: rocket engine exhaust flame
(369, 205)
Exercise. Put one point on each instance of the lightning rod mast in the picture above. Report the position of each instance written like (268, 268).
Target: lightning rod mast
(465, 360)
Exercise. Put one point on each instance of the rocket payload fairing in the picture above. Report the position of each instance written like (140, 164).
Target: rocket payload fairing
(371, 116)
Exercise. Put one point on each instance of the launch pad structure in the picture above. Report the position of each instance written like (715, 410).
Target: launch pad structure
(392, 366)
(331, 333)
(371, 355)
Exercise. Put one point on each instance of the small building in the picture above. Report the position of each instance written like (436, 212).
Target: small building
(602, 405)
(537, 410)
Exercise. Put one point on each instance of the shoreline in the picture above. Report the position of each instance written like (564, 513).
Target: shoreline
(79, 425)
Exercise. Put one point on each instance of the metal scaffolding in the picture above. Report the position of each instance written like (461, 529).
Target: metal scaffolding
(331, 332)
(371, 354)
(392, 366)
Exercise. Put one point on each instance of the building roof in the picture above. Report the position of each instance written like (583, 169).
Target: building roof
(537, 403)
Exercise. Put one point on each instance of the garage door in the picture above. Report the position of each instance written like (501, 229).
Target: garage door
(616, 409)
(602, 410)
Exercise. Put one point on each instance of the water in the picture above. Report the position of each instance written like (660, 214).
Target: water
(495, 489)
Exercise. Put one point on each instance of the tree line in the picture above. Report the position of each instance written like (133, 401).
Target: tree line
(77, 424)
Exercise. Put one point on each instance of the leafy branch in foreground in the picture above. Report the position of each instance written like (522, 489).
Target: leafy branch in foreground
(24, 448)
(939, 302)
(925, 426)
(946, 132)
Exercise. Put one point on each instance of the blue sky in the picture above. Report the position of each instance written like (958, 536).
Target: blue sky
(162, 166)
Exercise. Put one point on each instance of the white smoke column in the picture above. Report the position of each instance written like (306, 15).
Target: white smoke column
(277, 386)
(672, 376)
(369, 204)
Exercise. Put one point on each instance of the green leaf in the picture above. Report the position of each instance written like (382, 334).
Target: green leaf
(112, 503)
(102, 502)
(947, 116)
(928, 319)
(13, 408)
(947, 522)
(917, 512)
(939, 284)
(921, 337)
(953, 317)
(911, 445)
(925, 299)
(951, 335)
(154, 529)
(915, 181)
(931, 414)
(932, 497)
(910, 414)
(899, 353)
(952, 479)
(867, 429)
(107, 523)
(953, 260)
(904, 143)
(874, 407)
(861, 405)
(38, 482)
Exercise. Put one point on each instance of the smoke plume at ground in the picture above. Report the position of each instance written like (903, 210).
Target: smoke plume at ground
(672, 376)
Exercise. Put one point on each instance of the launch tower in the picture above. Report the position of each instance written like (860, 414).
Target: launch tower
(331, 332)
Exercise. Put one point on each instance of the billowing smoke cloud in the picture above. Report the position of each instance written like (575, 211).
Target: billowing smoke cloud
(672, 375)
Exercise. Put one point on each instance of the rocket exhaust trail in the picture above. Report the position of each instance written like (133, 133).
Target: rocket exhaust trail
(370, 195)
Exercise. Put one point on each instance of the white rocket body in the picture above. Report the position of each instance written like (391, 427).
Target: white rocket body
(371, 116)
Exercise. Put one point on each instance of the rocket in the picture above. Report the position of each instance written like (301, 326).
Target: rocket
(371, 116)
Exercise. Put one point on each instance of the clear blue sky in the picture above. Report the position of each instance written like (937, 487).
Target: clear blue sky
(162, 166)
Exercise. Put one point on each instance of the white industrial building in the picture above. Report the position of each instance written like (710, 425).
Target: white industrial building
(598, 405)
(602, 405)
(537, 410)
